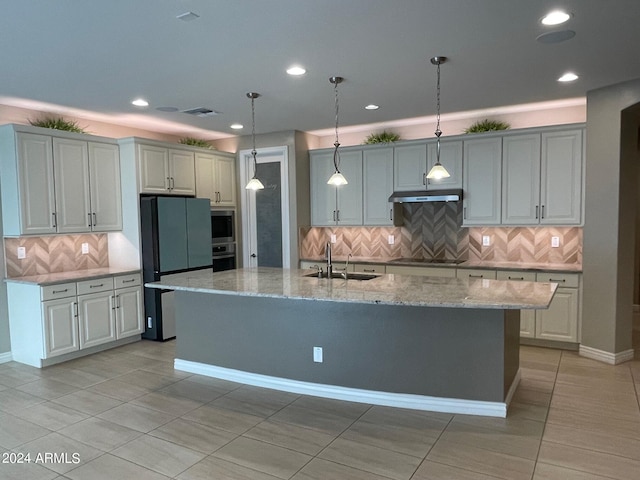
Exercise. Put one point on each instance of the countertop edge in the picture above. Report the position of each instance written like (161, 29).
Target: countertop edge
(73, 276)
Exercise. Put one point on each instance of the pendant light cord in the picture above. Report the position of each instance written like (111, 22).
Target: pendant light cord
(438, 132)
(336, 144)
(253, 136)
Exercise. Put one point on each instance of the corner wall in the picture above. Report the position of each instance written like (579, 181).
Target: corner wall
(610, 204)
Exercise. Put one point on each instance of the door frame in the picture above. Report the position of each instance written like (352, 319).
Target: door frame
(247, 200)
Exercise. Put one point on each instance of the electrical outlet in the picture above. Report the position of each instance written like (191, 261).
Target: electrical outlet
(317, 354)
(486, 240)
(85, 248)
(555, 242)
(391, 239)
(333, 238)
(22, 253)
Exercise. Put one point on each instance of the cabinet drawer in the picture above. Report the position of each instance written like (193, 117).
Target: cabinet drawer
(516, 275)
(470, 273)
(123, 281)
(96, 285)
(568, 280)
(365, 268)
(61, 290)
(448, 272)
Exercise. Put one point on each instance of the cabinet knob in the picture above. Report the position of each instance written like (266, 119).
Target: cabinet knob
(253, 255)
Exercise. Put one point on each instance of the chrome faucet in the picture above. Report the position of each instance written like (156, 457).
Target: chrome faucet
(327, 256)
(345, 274)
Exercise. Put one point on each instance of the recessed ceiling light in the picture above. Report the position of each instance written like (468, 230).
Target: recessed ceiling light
(140, 102)
(187, 16)
(237, 126)
(371, 106)
(568, 77)
(296, 70)
(555, 18)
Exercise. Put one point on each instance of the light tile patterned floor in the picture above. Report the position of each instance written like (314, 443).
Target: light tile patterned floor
(128, 414)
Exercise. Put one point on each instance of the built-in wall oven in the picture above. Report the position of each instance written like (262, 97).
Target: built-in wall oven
(223, 240)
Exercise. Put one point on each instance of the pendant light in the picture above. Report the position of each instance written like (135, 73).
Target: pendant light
(337, 178)
(438, 171)
(254, 183)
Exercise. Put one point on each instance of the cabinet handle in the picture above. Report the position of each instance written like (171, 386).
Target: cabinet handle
(424, 178)
(89, 219)
(391, 214)
(173, 183)
(75, 309)
(95, 219)
(542, 216)
(516, 278)
(334, 215)
(476, 276)
(55, 220)
(537, 207)
(113, 302)
(129, 281)
(168, 183)
(338, 214)
(557, 281)
(117, 301)
(464, 213)
(60, 291)
(96, 286)
(369, 270)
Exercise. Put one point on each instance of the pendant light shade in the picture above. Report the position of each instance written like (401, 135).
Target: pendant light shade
(438, 172)
(337, 178)
(254, 183)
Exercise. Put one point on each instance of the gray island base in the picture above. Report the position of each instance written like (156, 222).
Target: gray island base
(260, 327)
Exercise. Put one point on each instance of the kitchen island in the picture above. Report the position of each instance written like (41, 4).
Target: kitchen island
(441, 344)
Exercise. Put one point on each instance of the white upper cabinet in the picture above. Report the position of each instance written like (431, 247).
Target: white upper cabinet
(409, 167)
(377, 168)
(36, 194)
(58, 184)
(521, 180)
(561, 173)
(332, 205)
(482, 179)
(166, 171)
(451, 159)
(216, 178)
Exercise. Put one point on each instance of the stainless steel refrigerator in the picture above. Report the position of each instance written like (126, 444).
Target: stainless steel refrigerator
(176, 237)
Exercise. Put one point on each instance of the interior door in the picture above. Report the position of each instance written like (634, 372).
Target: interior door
(265, 212)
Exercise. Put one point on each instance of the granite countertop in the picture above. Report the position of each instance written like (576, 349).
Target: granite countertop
(525, 266)
(73, 276)
(385, 289)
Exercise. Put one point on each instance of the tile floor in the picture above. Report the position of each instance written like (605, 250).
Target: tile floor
(126, 414)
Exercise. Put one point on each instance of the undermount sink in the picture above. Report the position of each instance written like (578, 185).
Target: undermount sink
(338, 275)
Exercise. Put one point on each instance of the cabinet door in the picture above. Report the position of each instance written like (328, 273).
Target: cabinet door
(71, 179)
(182, 172)
(323, 196)
(96, 319)
(560, 321)
(561, 190)
(60, 326)
(482, 181)
(377, 168)
(350, 195)
(527, 317)
(409, 167)
(153, 166)
(476, 274)
(129, 319)
(104, 172)
(451, 159)
(521, 180)
(205, 187)
(35, 171)
(225, 181)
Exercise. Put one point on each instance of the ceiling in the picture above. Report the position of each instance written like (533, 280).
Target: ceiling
(90, 59)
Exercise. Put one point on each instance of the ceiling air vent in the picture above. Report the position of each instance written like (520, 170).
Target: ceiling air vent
(201, 112)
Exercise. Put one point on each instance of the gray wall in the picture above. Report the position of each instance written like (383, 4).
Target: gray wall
(610, 216)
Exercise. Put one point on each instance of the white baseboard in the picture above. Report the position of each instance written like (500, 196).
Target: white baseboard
(606, 357)
(5, 357)
(399, 400)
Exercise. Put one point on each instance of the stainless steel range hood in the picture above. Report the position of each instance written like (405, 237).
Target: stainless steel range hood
(419, 196)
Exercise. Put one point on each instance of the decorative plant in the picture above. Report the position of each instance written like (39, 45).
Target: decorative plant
(57, 123)
(487, 125)
(383, 137)
(195, 142)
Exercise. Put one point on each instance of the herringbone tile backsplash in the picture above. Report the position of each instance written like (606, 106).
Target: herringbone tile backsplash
(55, 253)
(432, 230)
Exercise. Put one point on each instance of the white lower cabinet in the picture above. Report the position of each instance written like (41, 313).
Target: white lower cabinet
(561, 321)
(476, 273)
(53, 320)
(422, 271)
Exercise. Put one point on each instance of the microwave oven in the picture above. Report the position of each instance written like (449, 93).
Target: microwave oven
(222, 226)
